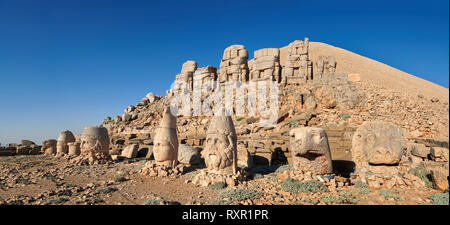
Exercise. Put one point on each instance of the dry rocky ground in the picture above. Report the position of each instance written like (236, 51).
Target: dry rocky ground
(40, 179)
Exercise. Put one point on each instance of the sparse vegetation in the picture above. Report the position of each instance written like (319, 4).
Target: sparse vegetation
(106, 190)
(311, 201)
(283, 168)
(440, 199)
(119, 179)
(239, 194)
(388, 194)
(239, 119)
(310, 186)
(362, 187)
(57, 201)
(423, 174)
(220, 202)
(218, 185)
(152, 202)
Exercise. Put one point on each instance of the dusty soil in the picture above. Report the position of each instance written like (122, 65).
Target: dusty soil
(44, 180)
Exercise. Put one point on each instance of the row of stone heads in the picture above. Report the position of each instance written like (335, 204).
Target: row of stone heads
(375, 144)
(93, 139)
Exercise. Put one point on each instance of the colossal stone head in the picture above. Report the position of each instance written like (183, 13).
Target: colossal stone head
(165, 148)
(376, 144)
(220, 152)
(310, 150)
(64, 138)
(49, 147)
(95, 140)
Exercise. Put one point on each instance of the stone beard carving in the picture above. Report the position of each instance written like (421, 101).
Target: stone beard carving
(310, 150)
(165, 148)
(234, 65)
(377, 144)
(64, 138)
(266, 65)
(220, 152)
(95, 140)
(186, 76)
(326, 67)
(298, 67)
(49, 147)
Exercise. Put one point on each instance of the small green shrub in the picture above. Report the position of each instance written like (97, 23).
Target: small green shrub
(388, 194)
(308, 200)
(57, 201)
(152, 202)
(240, 194)
(362, 187)
(310, 186)
(239, 119)
(107, 190)
(285, 168)
(220, 202)
(119, 179)
(218, 185)
(423, 174)
(439, 199)
(332, 199)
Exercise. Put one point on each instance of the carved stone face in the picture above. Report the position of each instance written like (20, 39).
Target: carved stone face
(95, 140)
(165, 151)
(310, 150)
(377, 143)
(218, 153)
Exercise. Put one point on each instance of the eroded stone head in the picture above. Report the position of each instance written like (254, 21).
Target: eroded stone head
(64, 138)
(377, 143)
(220, 152)
(310, 150)
(165, 148)
(95, 140)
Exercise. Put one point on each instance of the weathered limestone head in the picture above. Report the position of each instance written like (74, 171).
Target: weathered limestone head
(298, 47)
(49, 147)
(377, 144)
(165, 149)
(64, 138)
(234, 64)
(220, 152)
(310, 150)
(95, 140)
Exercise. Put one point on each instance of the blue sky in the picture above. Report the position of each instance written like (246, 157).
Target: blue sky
(69, 64)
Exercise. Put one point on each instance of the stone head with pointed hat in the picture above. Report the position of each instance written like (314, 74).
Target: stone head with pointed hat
(220, 152)
(165, 147)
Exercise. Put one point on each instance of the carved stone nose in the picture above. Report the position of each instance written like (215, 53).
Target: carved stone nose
(382, 151)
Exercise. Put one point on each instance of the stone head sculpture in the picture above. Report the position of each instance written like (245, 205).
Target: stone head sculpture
(165, 149)
(220, 152)
(310, 150)
(49, 147)
(95, 140)
(377, 143)
(64, 138)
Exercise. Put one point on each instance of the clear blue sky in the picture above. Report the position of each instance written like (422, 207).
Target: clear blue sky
(68, 64)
